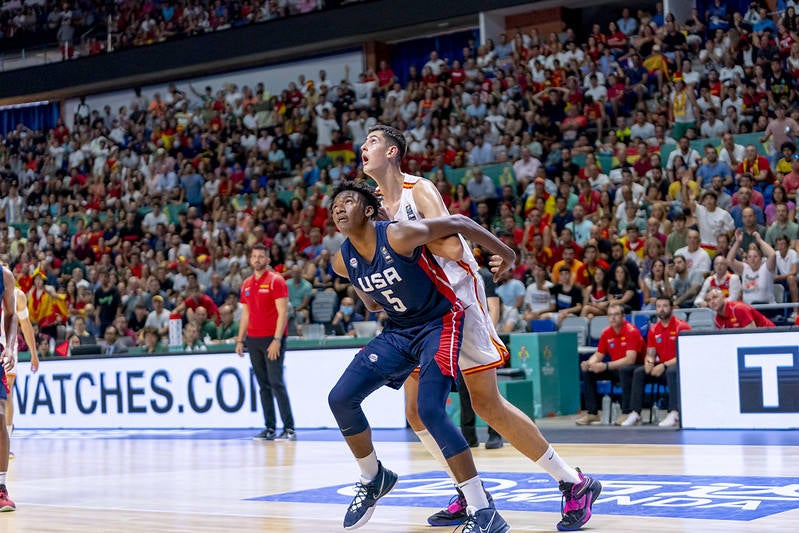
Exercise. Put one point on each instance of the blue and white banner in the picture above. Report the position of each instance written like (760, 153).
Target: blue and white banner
(184, 391)
(739, 380)
(696, 497)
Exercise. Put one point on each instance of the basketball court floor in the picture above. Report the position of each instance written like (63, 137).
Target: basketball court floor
(223, 481)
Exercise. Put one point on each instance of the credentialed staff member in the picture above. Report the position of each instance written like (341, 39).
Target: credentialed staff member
(264, 317)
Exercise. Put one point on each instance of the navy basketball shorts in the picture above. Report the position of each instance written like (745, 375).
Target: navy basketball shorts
(397, 351)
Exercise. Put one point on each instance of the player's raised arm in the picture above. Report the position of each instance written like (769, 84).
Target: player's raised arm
(24, 323)
(407, 236)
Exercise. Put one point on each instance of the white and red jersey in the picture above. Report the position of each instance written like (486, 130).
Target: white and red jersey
(13, 345)
(462, 274)
(478, 351)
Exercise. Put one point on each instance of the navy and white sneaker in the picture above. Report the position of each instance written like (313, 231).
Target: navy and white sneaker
(484, 521)
(578, 498)
(366, 496)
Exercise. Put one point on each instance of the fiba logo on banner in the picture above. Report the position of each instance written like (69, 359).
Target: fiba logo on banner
(768, 379)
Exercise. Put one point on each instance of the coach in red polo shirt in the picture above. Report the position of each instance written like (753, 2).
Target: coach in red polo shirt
(660, 364)
(731, 314)
(623, 342)
(264, 318)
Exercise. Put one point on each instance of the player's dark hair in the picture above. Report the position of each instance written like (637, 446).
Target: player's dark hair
(361, 188)
(393, 137)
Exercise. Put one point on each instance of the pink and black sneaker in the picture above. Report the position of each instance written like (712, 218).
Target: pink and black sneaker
(455, 513)
(577, 501)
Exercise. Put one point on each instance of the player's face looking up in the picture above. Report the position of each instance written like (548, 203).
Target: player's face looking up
(350, 211)
(375, 152)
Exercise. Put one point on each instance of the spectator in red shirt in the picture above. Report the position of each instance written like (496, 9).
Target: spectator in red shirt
(660, 364)
(791, 180)
(591, 262)
(385, 76)
(731, 314)
(758, 166)
(623, 343)
(196, 299)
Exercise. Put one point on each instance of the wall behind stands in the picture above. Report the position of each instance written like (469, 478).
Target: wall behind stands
(274, 41)
(275, 78)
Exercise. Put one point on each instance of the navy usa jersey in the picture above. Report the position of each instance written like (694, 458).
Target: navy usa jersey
(413, 290)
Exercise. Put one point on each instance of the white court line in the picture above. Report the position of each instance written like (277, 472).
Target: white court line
(208, 513)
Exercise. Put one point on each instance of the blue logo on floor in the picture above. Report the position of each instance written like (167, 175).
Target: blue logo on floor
(702, 497)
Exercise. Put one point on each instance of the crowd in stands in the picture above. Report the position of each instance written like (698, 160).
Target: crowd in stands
(134, 213)
(133, 22)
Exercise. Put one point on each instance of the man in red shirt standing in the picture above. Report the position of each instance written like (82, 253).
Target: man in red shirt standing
(623, 342)
(731, 314)
(264, 318)
(660, 365)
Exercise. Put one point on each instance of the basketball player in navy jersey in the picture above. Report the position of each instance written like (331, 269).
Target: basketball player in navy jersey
(9, 360)
(391, 269)
(406, 197)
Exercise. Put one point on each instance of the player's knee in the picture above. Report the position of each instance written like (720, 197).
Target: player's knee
(431, 414)
(484, 399)
(490, 410)
(340, 400)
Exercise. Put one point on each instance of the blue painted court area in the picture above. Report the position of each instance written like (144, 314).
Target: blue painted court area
(692, 497)
(559, 435)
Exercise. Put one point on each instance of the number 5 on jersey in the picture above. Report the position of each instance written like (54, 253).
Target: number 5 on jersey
(395, 302)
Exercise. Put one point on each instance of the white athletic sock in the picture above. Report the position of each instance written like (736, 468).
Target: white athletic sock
(474, 493)
(556, 467)
(431, 446)
(3, 478)
(368, 466)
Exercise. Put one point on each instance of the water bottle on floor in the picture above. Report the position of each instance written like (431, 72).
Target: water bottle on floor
(656, 414)
(606, 419)
(615, 412)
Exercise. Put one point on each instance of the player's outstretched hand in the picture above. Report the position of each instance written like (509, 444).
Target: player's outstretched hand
(8, 360)
(499, 264)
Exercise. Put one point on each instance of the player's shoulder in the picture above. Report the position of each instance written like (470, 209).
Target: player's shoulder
(417, 183)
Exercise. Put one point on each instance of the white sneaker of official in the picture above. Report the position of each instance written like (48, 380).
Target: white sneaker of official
(671, 420)
(632, 419)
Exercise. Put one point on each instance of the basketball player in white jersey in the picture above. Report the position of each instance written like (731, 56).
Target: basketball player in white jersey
(9, 359)
(24, 324)
(408, 197)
